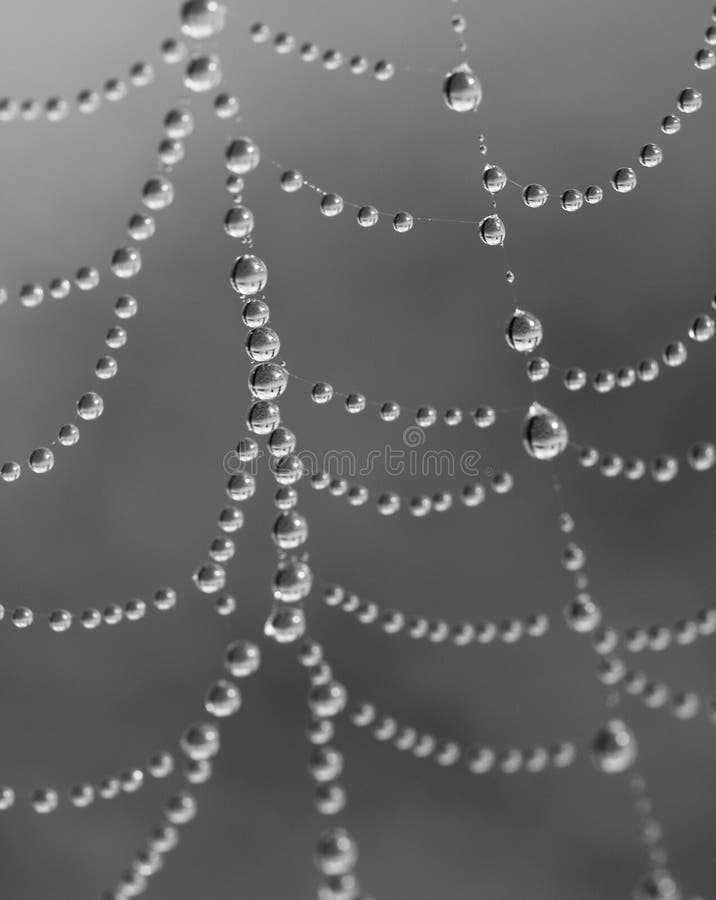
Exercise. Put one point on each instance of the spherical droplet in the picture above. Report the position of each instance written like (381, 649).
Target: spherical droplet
(223, 699)
(202, 19)
(523, 331)
(286, 624)
(126, 262)
(657, 885)
(203, 73)
(651, 155)
(462, 92)
(291, 181)
(290, 530)
(572, 200)
(242, 156)
(624, 180)
(492, 230)
(242, 658)
(249, 275)
(689, 100)
(355, 403)
(201, 741)
(670, 124)
(209, 577)
(321, 392)
(90, 406)
(702, 329)
(544, 434)
(158, 193)
(331, 205)
(367, 216)
(535, 195)
(41, 460)
(613, 748)
(593, 194)
(402, 222)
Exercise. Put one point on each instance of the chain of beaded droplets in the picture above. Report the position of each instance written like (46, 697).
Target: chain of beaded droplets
(545, 436)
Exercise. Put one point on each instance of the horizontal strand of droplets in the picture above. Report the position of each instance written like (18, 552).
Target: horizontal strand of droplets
(331, 60)
(624, 180)
(45, 800)
(479, 760)
(604, 381)
(437, 631)
(332, 204)
(654, 694)
(663, 468)
(88, 101)
(389, 503)
(424, 416)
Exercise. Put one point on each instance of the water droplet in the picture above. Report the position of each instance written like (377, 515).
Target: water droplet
(291, 181)
(538, 369)
(572, 200)
(367, 216)
(332, 60)
(290, 530)
(657, 885)
(358, 65)
(689, 100)
(286, 624)
(126, 262)
(242, 156)
(492, 230)
(239, 222)
(355, 403)
(90, 406)
(593, 194)
(544, 434)
(41, 460)
(670, 124)
(249, 275)
(68, 435)
(535, 195)
(202, 19)
(494, 178)
(223, 699)
(201, 740)
(209, 577)
(263, 417)
(651, 155)
(624, 180)
(702, 329)
(613, 748)
(383, 70)
(402, 222)
(158, 193)
(321, 392)
(331, 205)
(226, 106)
(575, 379)
(462, 91)
(523, 331)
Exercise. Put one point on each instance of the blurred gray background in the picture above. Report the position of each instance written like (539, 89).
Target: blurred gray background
(572, 90)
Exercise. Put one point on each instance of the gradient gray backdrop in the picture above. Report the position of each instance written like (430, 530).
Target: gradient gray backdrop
(572, 90)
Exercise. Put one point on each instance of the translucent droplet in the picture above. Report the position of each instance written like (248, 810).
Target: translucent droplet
(336, 852)
(290, 530)
(426, 416)
(249, 275)
(141, 227)
(494, 178)
(115, 89)
(332, 59)
(90, 406)
(126, 262)
(383, 70)
(702, 329)
(575, 379)
(664, 468)
(484, 416)
(259, 33)
(689, 100)
(604, 381)
(60, 620)
(535, 195)
(593, 194)
(141, 74)
(492, 230)
(284, 43)
(263, 417)
(702, 456)
(172, 51)
(286, 624)
(267, 381)
(613, 748)
(670, 124)
(537, 369)
(675, 354)
(321, 392)
(44, 800)
(201, 740)
(31, 295)
(355, 403)
(358, 65)
(88, 101)
(367, 216)
(402, 222)
(226, 106)
(223, 699)
(462, 91)
(651, 155)
(544, 434)
(242, 156)
(60, 288)
(56, 109)
(626, 377)
(41, 460)
(572, 200)
(209, 577)
(242, 658)
(125, 307)
(388, 504)
(165, 598)
(68, 435)
(291, 181)
(523, 331)
(255, 313)
(202, 19)
(331, 205)
(158, 193)
(203, 73)
(624, 180)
